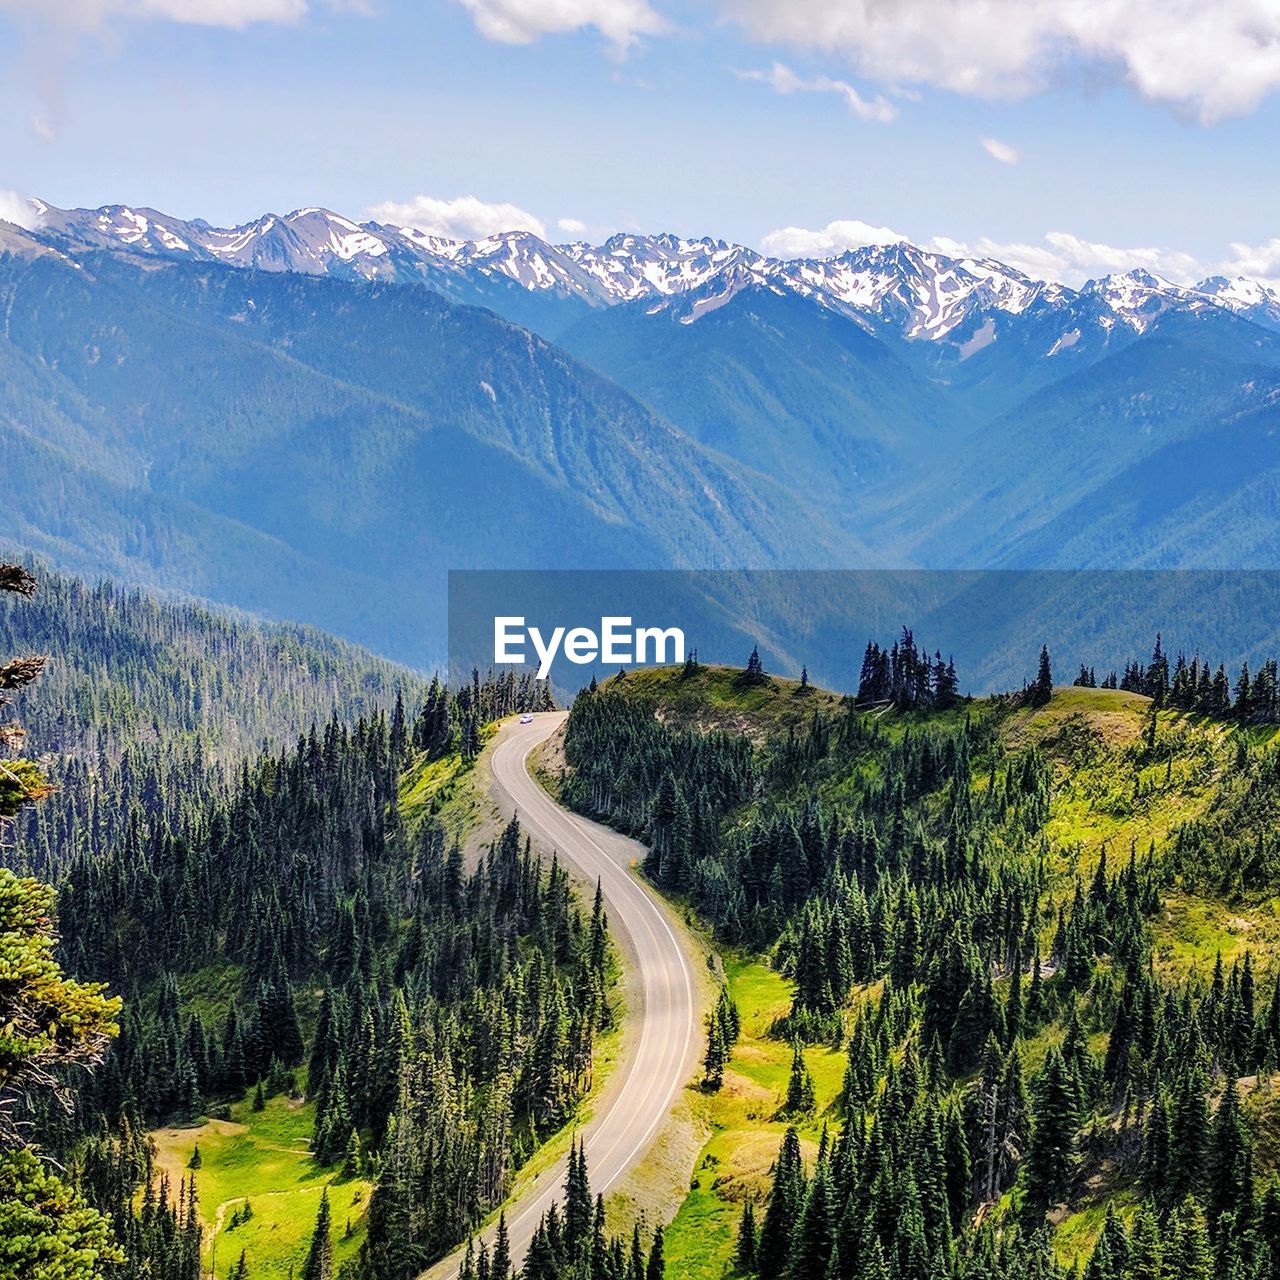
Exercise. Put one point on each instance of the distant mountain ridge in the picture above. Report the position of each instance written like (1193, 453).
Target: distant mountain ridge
(315, 419)
(918, 293)
(324, 450)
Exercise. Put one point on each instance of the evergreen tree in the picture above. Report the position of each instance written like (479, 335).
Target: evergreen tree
(1146, 1250)
(1189, 1131)
(578, 1205)
(800, 1093)
(636, 1260)
(1051, 1152)
(657, 1268)
(713, 1061)
(1042, 689)
(815, 1232)
(319, 1263)
(754, 672)
(500, 1263)
(1230, 1166)
(1189, 1256)
(746, 1254)
(785, 1202)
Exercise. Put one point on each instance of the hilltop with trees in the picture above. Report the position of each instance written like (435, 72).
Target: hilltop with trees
(979, 902)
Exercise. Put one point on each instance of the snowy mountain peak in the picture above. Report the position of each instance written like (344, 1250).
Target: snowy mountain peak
(1139, 297)
(1255, 299)
(926, 293)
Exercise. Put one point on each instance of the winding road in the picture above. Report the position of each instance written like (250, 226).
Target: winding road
(661, 1038)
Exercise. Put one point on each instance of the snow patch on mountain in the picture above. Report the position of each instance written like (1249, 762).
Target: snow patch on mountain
(1065, 342)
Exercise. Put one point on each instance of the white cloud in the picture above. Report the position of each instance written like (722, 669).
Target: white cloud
(215, 13)
(621, 22)
(88, 14)
(1061, 256)
(782, 79)
(1083, 258)
(572, 226)
(833, 239)
(465, 218)
(1039, 261)
(1213, 59)
(1261, 261)
(18, 210)
(1001, 151)
(1072, 260)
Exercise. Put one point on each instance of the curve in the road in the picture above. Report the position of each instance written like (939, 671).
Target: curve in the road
(661, 1040)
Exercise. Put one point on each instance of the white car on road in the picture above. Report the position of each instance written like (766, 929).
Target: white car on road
(527, 718)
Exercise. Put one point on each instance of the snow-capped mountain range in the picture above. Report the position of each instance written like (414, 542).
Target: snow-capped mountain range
(318, 416)
(921, 294)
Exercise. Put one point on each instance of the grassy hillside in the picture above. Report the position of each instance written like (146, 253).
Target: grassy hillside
(713, 697)
(746, 1123)
(263, 1159)
(1190, 799)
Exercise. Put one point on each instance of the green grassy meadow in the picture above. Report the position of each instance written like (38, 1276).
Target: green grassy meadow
(263, 1158)
(746, 1131)
(712, 698)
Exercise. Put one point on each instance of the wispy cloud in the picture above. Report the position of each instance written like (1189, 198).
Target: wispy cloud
(18, 210)
(1072, 259)
(1262, 260)
(1001, 151)
(782, 79)
(621, 22)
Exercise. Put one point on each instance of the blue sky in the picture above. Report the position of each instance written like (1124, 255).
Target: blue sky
(1135, 132)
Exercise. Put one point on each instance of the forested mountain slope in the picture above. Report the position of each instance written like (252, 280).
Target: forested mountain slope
(327, 1015)
(326, 449)
(1137, 440)
(133, 670)
(339, 438)
(158, 704)
(795, 391)
(903, 406)
(333, 448)
(1031, 956)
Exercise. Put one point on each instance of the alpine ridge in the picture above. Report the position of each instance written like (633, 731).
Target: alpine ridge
(913, 292)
